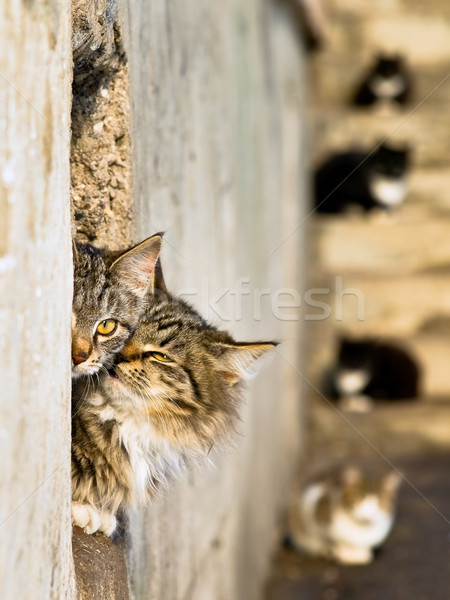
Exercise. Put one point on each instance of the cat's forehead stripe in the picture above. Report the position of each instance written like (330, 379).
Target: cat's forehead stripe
(151, 348)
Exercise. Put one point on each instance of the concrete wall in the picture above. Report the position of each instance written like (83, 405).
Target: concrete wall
(217, 129)
(36, 290)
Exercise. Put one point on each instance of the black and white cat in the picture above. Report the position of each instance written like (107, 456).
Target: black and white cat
(388, 80)
(364, 179)
(372, 369)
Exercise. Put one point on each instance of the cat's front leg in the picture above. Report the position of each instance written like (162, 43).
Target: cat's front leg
(352, 555)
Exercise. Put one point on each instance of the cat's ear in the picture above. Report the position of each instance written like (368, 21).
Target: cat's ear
(136, 266)
(158, 282)
(237, 361)
(392, 482)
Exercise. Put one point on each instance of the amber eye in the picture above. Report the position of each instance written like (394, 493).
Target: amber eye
(160, 356)
(107, 327)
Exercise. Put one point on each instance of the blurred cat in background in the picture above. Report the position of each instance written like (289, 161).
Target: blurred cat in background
(367, 180)
(343, 515)
(369, 369)
(388, 79)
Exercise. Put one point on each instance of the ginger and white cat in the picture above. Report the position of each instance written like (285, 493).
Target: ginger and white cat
(343, 515)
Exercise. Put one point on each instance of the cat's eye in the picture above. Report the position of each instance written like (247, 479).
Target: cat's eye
(107, 327)
(160, 356)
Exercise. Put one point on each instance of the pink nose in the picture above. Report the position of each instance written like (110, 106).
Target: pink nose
(77, 359)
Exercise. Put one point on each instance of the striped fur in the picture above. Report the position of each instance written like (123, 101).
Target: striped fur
(144, 420)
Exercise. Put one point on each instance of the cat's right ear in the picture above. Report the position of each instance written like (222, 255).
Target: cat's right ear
(158, 282)
(236, 360)
(136, 267)
(351, 475)
(392, 482)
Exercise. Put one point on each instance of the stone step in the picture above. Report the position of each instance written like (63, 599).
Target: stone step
(384, 305)
(368, 246)
(423, 130)
(432, 352)
(428, 195)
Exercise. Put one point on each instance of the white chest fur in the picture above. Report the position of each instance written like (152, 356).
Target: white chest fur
(152, 458)
(349, 382)
(365, 533)
(387, 191)
(388, 87)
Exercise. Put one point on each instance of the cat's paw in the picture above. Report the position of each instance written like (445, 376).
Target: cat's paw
(91, 520)
(86, 516)
(351, 555)
(108, 523)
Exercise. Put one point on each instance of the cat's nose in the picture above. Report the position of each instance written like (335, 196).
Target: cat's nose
(77, 359)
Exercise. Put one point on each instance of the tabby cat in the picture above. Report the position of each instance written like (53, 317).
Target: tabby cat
(343, 515)
(387, 80)
(367, 180)
(173, 392)
(109, 297)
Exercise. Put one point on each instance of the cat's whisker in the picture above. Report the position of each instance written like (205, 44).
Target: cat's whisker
(103, 369)
(171, 399)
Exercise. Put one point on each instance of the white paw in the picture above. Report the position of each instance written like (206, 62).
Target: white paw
(108, 524)
(86, 516)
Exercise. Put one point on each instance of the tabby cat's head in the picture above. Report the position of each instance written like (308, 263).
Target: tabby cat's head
(182, 374)
(109, 297)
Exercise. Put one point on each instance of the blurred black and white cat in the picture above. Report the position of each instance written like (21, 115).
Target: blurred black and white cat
(388, 80)
(365, 179)
(372, 369)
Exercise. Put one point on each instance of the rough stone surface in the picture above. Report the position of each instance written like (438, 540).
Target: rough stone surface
(217, 134)
(100, 151)
(93, 39)
(35, 279)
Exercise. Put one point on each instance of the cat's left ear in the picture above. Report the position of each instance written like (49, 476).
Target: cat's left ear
(237, 360)
(136, 267)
